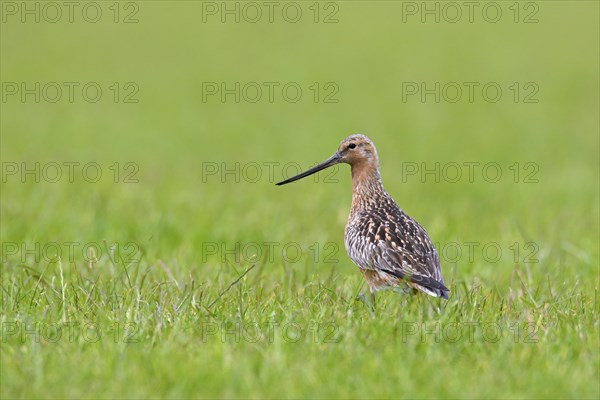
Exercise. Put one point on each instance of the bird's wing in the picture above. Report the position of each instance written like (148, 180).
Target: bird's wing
(406, 251)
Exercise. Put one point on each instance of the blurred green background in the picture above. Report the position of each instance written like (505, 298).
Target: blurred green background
(368, 52)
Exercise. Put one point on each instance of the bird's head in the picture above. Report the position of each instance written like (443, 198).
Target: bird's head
(356, 150)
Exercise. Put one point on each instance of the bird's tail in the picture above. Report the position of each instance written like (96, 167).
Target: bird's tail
(429, 286)
(423, 283)
(432, 292)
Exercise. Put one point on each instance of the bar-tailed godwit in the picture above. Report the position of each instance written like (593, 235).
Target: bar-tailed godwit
(390, 248)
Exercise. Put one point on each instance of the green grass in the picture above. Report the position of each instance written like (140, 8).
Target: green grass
(152, 302)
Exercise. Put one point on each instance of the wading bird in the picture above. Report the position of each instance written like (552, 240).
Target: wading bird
(390, 248)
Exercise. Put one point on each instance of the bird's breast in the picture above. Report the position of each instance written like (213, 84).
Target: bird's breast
(359, 244)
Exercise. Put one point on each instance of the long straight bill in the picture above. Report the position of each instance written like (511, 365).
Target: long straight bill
(325, 164)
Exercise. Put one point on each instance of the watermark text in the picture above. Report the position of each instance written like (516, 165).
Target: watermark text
(52, 12)
(70, 92)
(452, 12)
(470, 92)
(254, 12)
(69, 171)
(270, 92)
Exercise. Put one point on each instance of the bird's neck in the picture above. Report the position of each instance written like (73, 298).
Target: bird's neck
(366, 181)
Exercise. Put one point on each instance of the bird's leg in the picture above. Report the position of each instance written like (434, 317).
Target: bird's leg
(403, 289)
(368, 301)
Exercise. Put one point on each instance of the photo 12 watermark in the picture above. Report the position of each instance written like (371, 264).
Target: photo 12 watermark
(453, 12)
(55, 12)
(269, 332)
(70, 92)
(271, 251)
(470, 332)
(290, 92)
(489, 252)
(470, 172)
(269, 12)
(69, 172)
(260, 171)
(470, 92)
(91, 252)
(68, 332)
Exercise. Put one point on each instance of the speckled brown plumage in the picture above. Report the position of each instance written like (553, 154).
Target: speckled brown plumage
(390, 248)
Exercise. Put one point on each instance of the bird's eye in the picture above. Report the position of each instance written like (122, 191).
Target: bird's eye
(351, 145)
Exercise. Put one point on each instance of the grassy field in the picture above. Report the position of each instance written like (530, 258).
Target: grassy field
(146, 251)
